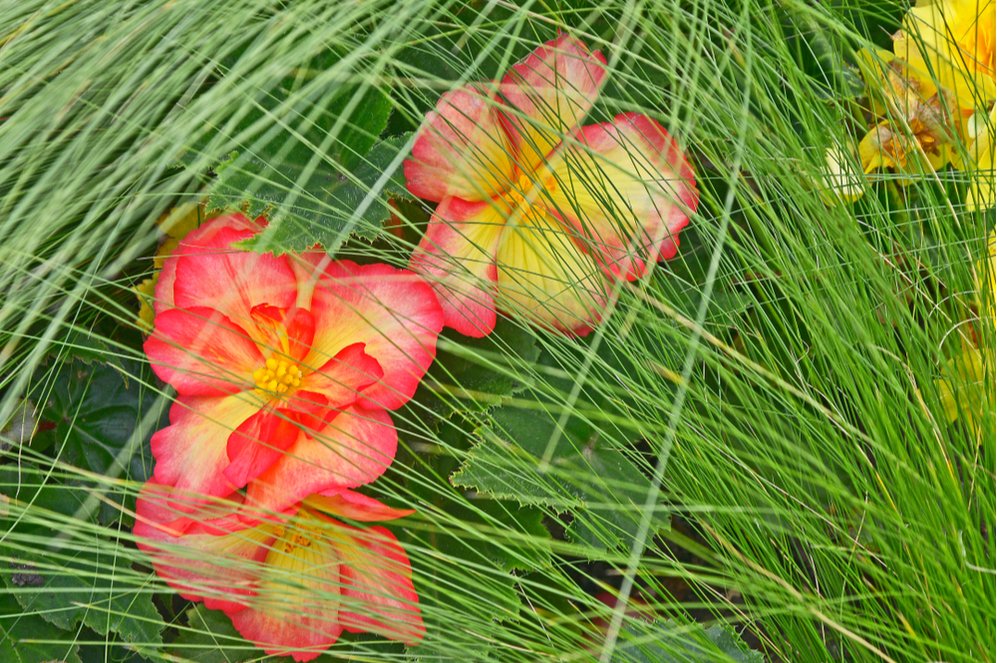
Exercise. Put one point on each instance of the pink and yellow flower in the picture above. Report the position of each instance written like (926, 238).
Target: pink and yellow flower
(285, 367)
(536, 214)
(291, 582)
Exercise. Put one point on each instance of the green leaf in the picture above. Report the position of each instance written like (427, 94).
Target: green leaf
(342, 205)
(667, 642)
(589, 477)
(104, 414)
(475, 374)
(68, 570)
(207, 634)
(27, 638)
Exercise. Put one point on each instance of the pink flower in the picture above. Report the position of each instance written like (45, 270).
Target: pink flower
(285, 367)
(537, 215)
(291, 582)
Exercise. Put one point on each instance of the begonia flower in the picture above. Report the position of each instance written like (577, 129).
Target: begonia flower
(293, 581)
(919, 126)
(537, 215)
(285, 367)
(952, 42)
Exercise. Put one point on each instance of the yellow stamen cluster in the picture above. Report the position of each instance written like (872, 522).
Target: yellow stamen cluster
(525, 200)
(277, 376)
(300, 536)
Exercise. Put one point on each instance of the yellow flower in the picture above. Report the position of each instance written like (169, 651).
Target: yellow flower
(967, 383)
(963, 386)
(952, 41)
(175, 224)
(978, 159)
(841, 181)
(916, 134)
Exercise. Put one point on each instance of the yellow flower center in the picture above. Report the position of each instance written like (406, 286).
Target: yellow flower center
(277, 376)
(525, 199)
(299, 536)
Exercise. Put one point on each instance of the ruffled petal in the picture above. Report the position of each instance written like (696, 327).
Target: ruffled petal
(258, 443)
(628, 190)
(355, 506)
(214, 560)
(210, 271)
(545, 277)
(378, 594)
(355, 448)
(295, 611)
(284, 333)
(548, 94)
(461, 150)
(191, 452)
(457, 254)
(199, 240)
(200, 352)
(342, 379)
(393, 312)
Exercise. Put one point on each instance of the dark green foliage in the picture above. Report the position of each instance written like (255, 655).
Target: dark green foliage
(525, 456)
(341, 205)
(80, 576)
(668, 642)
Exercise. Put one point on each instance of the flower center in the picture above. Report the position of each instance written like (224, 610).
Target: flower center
(524, 200)
(299, 536)
(277, 376)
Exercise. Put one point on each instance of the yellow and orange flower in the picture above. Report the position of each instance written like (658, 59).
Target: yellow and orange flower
(919, 128)
(293, 581)
(952, 42)
(285, 367)
(536, 214)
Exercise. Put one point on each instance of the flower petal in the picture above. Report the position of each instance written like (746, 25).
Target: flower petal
(378, 594)
(549, 93)
(342, 379)
(287, 333)
(461, 150)
(200, 352)
(210, 271)
(258, 443)
(628, 190)
(211, 561)
(354, 449)
(393, 312)
(457, 254)
(545, 277)
(295, 609)
(191, 453)
(201, 240)
(355, 506)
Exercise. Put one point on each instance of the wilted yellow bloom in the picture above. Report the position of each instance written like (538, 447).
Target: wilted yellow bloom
(175, 225)
(916, 134)
(952, 42)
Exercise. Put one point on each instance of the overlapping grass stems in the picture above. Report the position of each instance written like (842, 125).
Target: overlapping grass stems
(774, 382)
